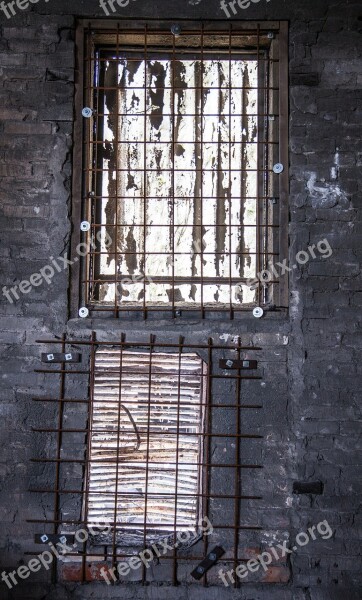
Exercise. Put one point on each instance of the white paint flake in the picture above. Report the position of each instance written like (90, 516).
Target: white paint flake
(328, 194)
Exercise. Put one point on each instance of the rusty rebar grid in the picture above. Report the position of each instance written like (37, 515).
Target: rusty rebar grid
(214, 428)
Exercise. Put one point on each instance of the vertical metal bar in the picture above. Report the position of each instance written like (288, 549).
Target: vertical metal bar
(266, 201)
(207, 442)
(173, 116)
(230, 181)
(58, 457)
(116, 261)
(237, 491)
(258, 209)
(174, 562)
(145, 176)
(201, 250)
(89, 440)
(114, 537)
(283, 154)
(151, 344)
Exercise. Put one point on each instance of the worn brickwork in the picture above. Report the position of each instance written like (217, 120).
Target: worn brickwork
(310, 359)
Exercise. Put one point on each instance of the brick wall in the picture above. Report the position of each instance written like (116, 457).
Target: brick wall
(311, 392)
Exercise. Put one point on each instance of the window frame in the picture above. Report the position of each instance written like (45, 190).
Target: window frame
(80, 268)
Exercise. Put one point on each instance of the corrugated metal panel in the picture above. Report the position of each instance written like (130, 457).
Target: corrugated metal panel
(130, 454)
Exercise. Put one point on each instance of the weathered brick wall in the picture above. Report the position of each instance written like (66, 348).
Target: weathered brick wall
(310, 390)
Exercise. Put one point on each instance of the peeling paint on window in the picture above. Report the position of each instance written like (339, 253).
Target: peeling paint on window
(187, 183)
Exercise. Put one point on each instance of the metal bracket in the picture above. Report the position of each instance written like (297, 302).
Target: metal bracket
(238, 364)
(306, 487)
(61, 538)
(59, 357)
(208, 562)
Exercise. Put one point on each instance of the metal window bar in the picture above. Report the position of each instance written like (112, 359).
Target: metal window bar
(187, 194)
(163, 411)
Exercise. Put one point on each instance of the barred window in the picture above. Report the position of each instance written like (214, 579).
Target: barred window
(183, 199)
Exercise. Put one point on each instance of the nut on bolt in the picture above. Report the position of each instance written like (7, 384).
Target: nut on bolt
(258, 312)
(44, 538)
(63, 539)
(212, 556)
(87, 112)
(200, 569)
(176, 29)
(85, 226)
(278, 168)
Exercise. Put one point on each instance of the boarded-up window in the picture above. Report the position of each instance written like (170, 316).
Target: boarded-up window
(145, 453)
(182, 145)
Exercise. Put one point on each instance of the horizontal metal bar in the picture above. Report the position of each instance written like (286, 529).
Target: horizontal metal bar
(55, 372)
(124, 465)
(149, 494)
(154, 345)
(114, 461)
(137, 403)
(120, 557)
(168, 308)
(122, 525)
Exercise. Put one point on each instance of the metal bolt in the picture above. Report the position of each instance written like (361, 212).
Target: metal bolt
(229, 363)
(273, 200)
(212, 556)
(270, 35)
(44, 538)
(278, 168)
(246, 363)
(50, 356)
(63, 539)
(177, 313)
(271, 117)
(200, 570)
(87, 112)
(68, 356)
(176, 29)
(258, 312)
(91, 194)
(83, 312)
(85, 226)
